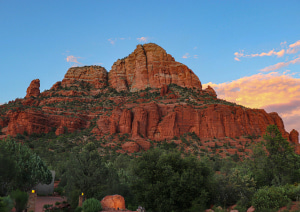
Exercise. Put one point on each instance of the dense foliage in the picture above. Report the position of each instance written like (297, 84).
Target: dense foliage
(165, 178)
(20, 168)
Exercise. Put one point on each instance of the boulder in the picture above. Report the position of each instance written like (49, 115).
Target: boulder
(116, 202)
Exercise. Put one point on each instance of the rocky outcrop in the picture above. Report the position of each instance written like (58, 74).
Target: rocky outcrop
(131, 147)
(116, 202)
(159, 122)
(211, 91)
(34, 89)
(77, 76)
(30, 120)
(150, 66)
(294, 136)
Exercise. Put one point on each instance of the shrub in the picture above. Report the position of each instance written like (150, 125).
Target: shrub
(78, 209)
(269, 198)
(91, 205)
(292, 192)
(21, 199)
(6, 204)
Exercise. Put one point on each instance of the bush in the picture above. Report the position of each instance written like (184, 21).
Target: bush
(269, 198)
(78, 209)
(6, 204)
(21, 199)
(91, 205)
(292, 192)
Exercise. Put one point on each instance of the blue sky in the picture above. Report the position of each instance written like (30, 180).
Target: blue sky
(231, 45)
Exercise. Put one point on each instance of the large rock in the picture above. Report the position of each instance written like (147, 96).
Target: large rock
(150, 66)
(294, 136)
(116, 202)
(34, 89)
(94, 75)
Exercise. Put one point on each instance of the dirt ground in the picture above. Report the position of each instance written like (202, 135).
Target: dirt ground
(41, 201)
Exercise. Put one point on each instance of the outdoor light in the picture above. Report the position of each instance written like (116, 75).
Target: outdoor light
(82, 194)
(33, 191)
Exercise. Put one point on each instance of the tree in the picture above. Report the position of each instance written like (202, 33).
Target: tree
(282, 160)
(274, 162)
(22, 169)
(165, 181)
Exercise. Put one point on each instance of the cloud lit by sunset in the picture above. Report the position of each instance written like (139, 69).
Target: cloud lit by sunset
(273, 92)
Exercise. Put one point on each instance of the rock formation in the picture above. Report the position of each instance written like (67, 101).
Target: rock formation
(294, 136)
(34, 89)
(150, 66)
(173, 104)
(116, 202)
(211, 91)
(95, 75)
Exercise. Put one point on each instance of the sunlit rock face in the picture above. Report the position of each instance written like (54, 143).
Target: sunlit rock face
(149, 65)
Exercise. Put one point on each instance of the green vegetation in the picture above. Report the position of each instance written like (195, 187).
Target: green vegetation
(91, 205)
(20, 168)
(161, 179)
(20, 198)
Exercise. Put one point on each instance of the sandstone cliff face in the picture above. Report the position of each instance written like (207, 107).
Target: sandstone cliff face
(150, 66)
(95, 75)
(34, 89)
(159, 122)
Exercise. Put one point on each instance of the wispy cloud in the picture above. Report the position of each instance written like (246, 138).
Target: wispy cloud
(280, 65)
(293, 45)
(262, 54)
(143, 39)
(112, 41)
(274, 92)
(186, 55)
(293, 49)
(74, 60)
(195, 56)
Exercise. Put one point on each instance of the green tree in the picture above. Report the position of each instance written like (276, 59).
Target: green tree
(274, 161)
(27, 169)
(283, 163)
(165, 181)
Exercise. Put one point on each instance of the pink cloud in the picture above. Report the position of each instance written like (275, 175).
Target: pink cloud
(273, 92)
(73, 59)
(143, 39)
(280, 65)
(186, 55)
(296, 44)
(293, 49)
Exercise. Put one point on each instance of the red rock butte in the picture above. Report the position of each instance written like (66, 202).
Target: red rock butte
(147, 95)
(150, 66)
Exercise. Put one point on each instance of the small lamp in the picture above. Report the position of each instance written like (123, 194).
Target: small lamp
(33, 191)
(82, 194)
